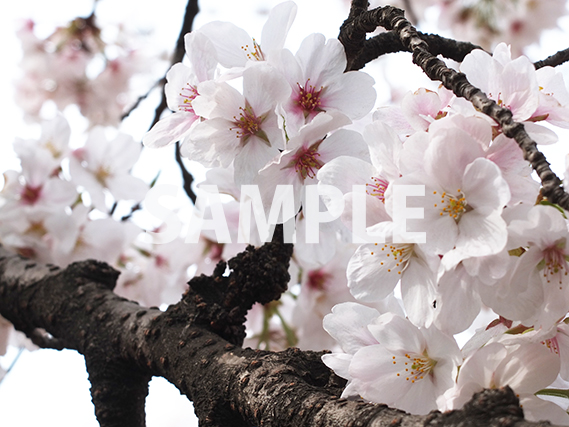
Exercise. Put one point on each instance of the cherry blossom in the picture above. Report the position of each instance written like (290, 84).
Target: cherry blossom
(496, 365)
(462, 204)
(408, 368)
(105, 164)
(240, 127)
(307, 153)
(234, 47)
(513, 83)
(543, 265)
(181, 90)
(254, 112)
(319, 83)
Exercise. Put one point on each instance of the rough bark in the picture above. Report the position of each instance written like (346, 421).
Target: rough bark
(195, 344)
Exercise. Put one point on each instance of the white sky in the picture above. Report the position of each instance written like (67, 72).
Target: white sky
(48, 388)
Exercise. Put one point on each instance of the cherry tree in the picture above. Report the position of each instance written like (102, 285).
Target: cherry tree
(337, 245)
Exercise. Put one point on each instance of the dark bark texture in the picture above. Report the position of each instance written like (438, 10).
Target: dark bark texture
(196, 343)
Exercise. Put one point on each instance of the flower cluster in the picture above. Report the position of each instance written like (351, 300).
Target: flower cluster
(67, 205)
(78, 65)
(477, 244)
(260, 115)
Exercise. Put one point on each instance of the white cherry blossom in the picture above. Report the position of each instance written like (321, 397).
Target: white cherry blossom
(319, 83)
(240, 127)
(234, 47)
(181, 90)
(526, 368)
(104, 164)
(408, 367)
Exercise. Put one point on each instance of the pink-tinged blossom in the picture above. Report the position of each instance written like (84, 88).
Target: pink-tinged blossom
(104, 98)
(319, 83)
(407, 367)
(486, 23)
(306, 153)
(464, 198)
(156, 275)
(526, 368)
(235, 48)
(375, 269)
(543, 265)
(348, 325)
(503, 151)
(103, 164)
(30, 198)
(242, 128)
(181, 90)
(511, 83)
(514, 84)
(555, 339)
(76, 237)
(344, 172)
(321, 289)
(416, 111)
(553, 97)
(54, 139)
(63, 68)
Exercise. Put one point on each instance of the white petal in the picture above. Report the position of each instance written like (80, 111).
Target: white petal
(170, 129)
(276, 28)
(372, 275)
(348, 323)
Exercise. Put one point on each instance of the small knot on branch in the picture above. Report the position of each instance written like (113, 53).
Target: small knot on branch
(95, 271)
(492, 403)
(220, 302)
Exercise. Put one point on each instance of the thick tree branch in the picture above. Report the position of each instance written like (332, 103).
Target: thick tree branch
(389, 42)
(194, 344)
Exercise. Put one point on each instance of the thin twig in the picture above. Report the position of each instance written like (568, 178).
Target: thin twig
(553, 60)
(187, 177)
(159, 83)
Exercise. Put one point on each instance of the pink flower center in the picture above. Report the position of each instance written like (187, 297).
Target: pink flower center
(309, 98)
(30, 195)
(188, 94)
(377, 188)
(554, 263)
(161, 261)
(248, 124)
(306, 162)
(552, 344)
(317, 280)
